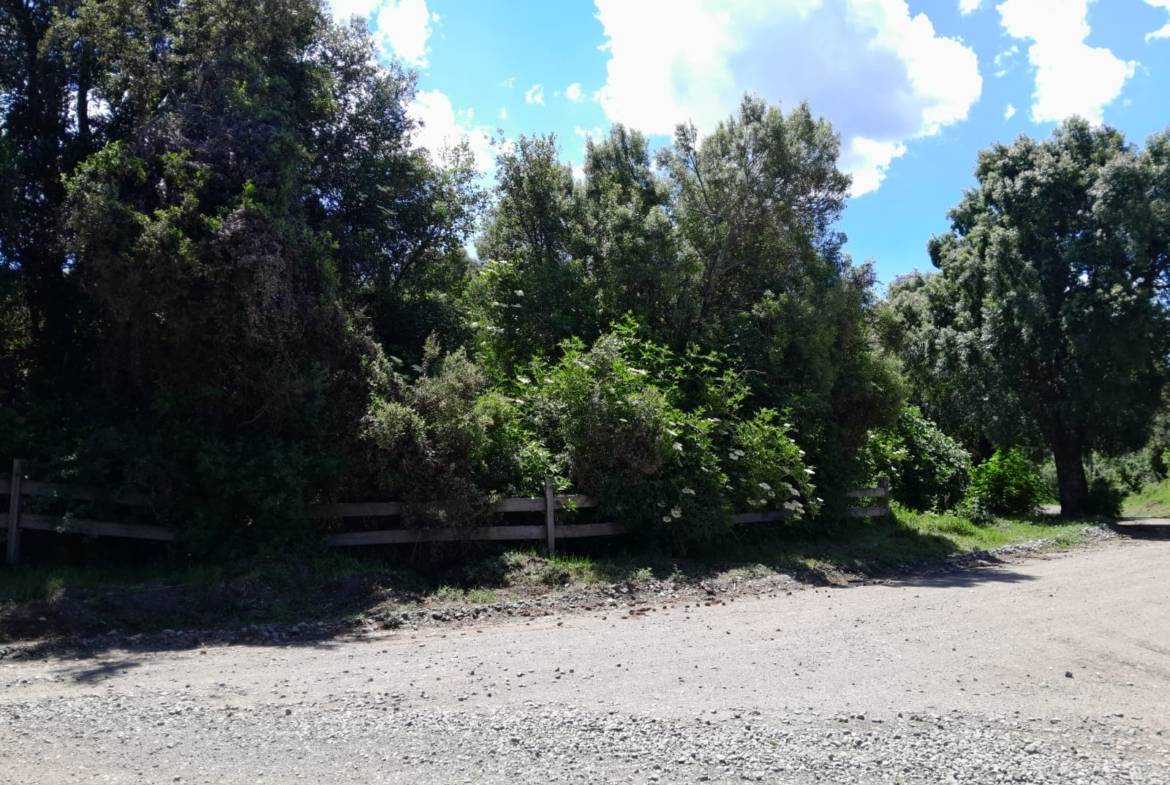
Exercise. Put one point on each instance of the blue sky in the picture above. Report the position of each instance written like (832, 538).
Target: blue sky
(915, 88)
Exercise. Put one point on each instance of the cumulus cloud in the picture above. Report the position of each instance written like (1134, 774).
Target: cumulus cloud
(968, 6)
(880, 74)
(441, 127)
(535, 95)
(402, 28)
(574, 92)
(1072, 78)
(1009, 112)
(345, 9)
(1164, 30)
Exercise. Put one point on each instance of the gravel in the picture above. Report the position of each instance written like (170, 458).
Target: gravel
(376, 738)
(959, 677)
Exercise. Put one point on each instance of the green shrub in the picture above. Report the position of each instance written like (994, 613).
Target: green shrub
(766, 468)
(618, 438)
(1104, 498)
(928, 470)
(660, 439)
(1007, 483)
(1130, 472)
(445, 444)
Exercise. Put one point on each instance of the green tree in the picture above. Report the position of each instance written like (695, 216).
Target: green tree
(726, 243)
(237, 225)
(46, 126)
(1047, 322)
(756, 203)
(534, 292)
(629, 242)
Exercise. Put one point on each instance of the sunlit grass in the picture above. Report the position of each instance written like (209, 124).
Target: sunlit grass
(1153, 501)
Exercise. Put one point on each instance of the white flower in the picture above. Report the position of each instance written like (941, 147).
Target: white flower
(689, 491)
(765, 486)
(677, 446)
(675, 512)
(666, 519)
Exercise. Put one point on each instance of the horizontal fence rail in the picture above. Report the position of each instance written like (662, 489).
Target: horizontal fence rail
(550, 531)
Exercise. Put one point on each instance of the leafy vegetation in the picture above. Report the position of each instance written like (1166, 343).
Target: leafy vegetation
(928, 469)
(1007, 483)
(1152, 501)
(1046, 324)
(231, 281)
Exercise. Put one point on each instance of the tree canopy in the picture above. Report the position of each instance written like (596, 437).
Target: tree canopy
(1046, 323)
(230, 279)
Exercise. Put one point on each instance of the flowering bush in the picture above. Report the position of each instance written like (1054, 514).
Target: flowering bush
(660, 439)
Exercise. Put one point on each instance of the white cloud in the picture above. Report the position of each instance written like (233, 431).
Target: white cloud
(441, 127)
(867, 161)
(403, 27)
(535, 95)
(345, 9)
(1164, 30)
(880, 74)
(1003, 60)
(596, 132)
(967, 6)
(1009, 112)
(508, 83)
(574, 92)
(1072, 78)
(503, 114)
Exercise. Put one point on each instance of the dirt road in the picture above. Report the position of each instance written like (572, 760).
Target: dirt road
(1048, 670)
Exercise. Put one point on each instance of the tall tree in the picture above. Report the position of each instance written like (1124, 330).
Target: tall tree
(534, 292)
(228, 196)
(756, 203)
(727, 242)
(1047, 321)
(47, 126)
(628, 240)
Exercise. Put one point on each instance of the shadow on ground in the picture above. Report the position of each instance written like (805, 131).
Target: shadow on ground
(1143, 528)
(311, 604)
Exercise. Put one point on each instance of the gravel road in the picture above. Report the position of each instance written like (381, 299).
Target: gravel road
(1046, 670)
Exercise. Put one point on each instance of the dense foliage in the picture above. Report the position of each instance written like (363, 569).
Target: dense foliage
(928, 469)
(1007, 483)
(1046, 323)
(229, 278)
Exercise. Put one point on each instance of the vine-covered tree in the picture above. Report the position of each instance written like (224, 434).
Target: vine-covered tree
(1047, 321)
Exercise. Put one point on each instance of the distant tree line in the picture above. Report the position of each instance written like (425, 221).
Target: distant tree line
(229, 278)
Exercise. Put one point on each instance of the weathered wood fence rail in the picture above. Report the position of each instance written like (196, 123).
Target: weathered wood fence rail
(550, 531)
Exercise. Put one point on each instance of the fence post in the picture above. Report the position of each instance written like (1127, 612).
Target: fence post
(550, 505)
(14, 511)
(884, 483)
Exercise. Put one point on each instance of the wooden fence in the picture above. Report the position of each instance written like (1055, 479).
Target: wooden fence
(550, 531)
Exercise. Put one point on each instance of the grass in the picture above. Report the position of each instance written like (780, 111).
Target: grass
(1152, 501)
(335, 587)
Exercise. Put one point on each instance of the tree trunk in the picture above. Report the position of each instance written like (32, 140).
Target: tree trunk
(1067, 452)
